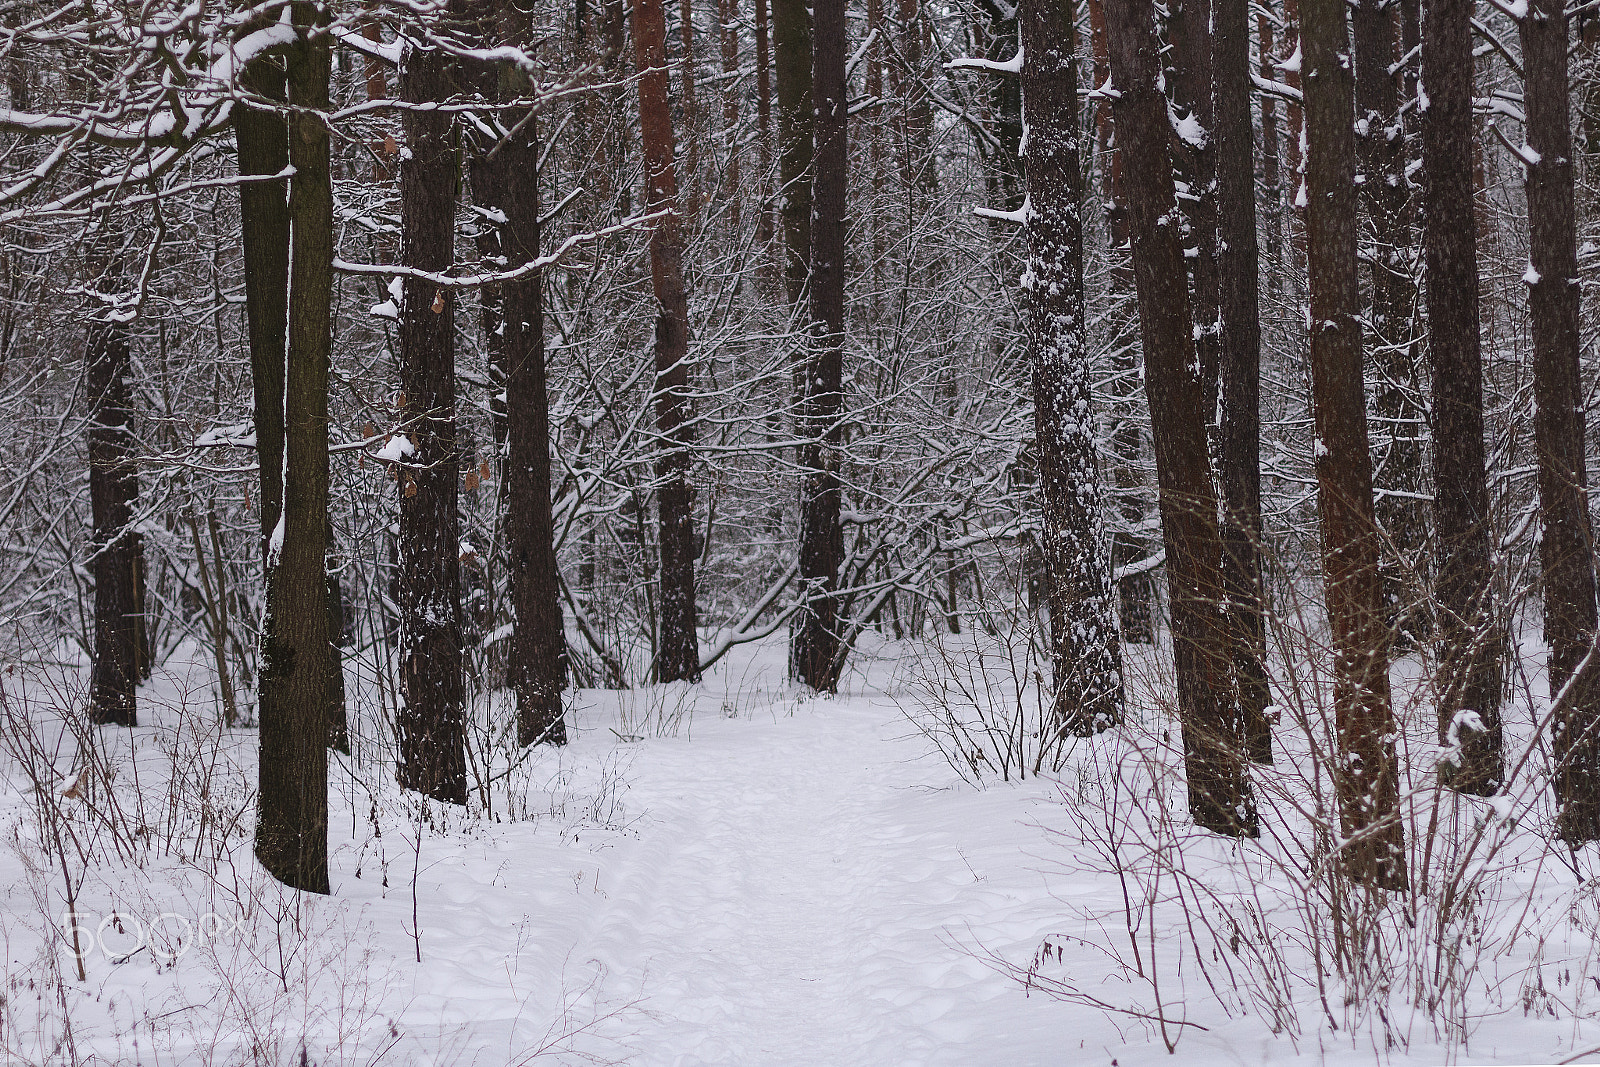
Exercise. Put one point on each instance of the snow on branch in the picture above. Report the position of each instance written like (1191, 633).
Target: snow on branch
(473, 281)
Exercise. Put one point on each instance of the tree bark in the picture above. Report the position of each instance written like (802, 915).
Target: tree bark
(1190, 32)
(292, 824)
(1239, 360)
(1366, 775)
(1136, 593)
(1220, 794)
(791, 38)
(764, 118)
(1566, 548)
(430, 720)
(678, 648)
(1469, 636)
(1086, 657)
(816, 649)
(113, 492)
(1380, 143)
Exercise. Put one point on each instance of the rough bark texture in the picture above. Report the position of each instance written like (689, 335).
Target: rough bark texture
(1239, 360)
(1271, 181)
(791, 39)
(510, 183)
(816, 650)
(262, 138)
(1397, 413)
(292, 823)
(1469, 637)
(678, 644)
(1085, 654)
(1190, 33)
(113, 491)
(1366, 774)
(1566, 552)
(764, 117)
(1220, 795)
(430, 719)
(1136, 591)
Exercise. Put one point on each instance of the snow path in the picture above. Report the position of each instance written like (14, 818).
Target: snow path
(767, 903)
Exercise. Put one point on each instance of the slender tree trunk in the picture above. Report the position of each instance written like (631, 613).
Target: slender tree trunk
(1085, 655)
(1220, 794)
(1366, 775)
(1380, 142)
(292, 824)
(1566, 549)
(1136, 592)
(430, 720)
(764, 118)
(1470, 639)
(113, 492)
(816, 650)
(678, 652)
(791, 33)
(1271, 181)
(1239, 359)
(1189, 28)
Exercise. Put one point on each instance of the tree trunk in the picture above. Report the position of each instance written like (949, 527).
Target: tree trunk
(764, 119)
(1239, 359)
(430, 718)
(1085, 655)
(1566, 552)
(791, 38)
(1190, 31)
(1136, 593)
(1470, 639)
(1380, 142)
(1366, 776)
(1220, 795)
(292, 826)
(1271, 181)
(113, 492)
(678, 650)
(816, 650)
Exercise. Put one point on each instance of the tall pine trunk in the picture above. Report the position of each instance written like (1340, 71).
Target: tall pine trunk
(292, 824)
(1220, 794)
(430, 719)
(1469, 637)
(1380, 144)
(816, 649)
(791, 40)
(1366, 775)
(1566, 552)
(1239, 367)
(1085, 655)
(113, 491)
(678, 646)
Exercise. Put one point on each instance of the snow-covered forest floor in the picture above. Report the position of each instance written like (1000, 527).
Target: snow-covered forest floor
(735, 873)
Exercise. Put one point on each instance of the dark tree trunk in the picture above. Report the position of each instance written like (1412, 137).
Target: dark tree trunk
(1085, 655)
(509, 183)
(816, 650)
(292, 827)
(1380, 143)
(1366, 774)
(113, 491)
(430, 718)
(263, 144)
(1470, 639)
(678, 648)
(764, 117)
(1239, 359)
(1566, 552)
(1190, 32)
(1136, 592)
(1220, 794)
(1271, 181)
(791, 39)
